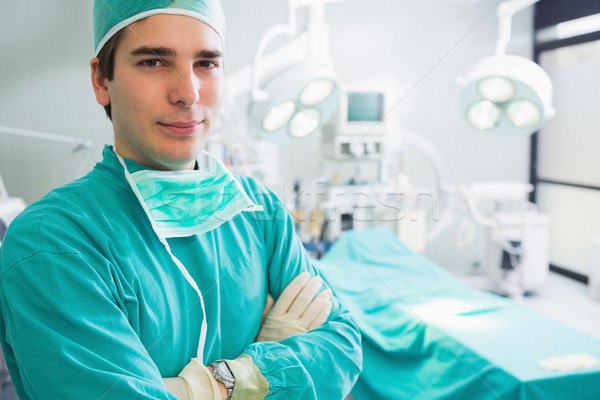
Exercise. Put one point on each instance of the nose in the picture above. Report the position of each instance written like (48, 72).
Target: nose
(185, 88)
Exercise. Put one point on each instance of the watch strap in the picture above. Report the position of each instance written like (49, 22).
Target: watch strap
(222, 373)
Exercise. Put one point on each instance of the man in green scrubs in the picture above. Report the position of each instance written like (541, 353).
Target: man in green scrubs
(114, 287)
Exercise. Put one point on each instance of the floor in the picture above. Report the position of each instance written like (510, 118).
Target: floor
(562, 299)
(568, 301)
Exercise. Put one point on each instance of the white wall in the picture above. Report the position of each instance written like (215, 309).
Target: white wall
(44, 85)
(417, 47)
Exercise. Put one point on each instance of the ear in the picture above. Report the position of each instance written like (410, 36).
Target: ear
(100, 83)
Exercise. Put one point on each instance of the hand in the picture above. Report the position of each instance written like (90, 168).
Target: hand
(297, 310)
(196, 382)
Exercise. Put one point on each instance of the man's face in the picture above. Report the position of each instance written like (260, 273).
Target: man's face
(166, 91)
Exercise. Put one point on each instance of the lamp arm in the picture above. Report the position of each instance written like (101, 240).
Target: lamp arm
(3, 191)
(318, 33)
(318, 47)
(80, 143)
(505, 12)
(434, 157)
(257, 93)
(426, 147)
(290, 29)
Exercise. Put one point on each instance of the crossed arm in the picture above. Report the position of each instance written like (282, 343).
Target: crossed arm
(299, 309)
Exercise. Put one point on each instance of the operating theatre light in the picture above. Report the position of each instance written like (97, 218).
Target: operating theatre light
(507, 94)
(299, 99)
(295, 97)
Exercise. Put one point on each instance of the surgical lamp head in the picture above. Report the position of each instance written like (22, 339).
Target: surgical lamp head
(300, 98)
(299, 95)
(506, 94)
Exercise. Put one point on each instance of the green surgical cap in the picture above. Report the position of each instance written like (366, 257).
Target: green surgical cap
(110, 16)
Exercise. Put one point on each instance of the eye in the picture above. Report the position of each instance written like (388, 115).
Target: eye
(207, 64)
(151, 62)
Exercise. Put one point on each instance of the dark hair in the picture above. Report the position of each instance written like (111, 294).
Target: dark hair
(106, 63)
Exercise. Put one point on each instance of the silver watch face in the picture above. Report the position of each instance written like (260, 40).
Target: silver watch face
(222, 373)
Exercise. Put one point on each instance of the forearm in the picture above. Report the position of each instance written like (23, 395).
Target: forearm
(296, 368)
(179, 387)
(299, 309)
(193, 383)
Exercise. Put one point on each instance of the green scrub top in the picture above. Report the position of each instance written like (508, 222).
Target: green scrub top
(93, 307)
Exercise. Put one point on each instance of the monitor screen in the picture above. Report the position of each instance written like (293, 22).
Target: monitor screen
(365, 106)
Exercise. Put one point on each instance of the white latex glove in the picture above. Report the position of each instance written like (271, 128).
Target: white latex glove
(297, 310)
(195, 382)
(178, 387)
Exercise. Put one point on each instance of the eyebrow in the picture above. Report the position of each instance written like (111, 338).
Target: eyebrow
(153, 51)
(209, 54)
(168, 52)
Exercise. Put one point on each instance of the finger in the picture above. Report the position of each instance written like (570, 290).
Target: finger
(322, 316)
(315, 307)
(306, 295)
(268, 307)
(288, 295)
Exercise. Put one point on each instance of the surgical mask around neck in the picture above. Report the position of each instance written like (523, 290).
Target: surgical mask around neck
(189, 202)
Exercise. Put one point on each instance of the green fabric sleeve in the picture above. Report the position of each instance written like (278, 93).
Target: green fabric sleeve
(72, 340)
(250, 384)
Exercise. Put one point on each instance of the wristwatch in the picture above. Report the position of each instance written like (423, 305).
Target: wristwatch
(222, 373)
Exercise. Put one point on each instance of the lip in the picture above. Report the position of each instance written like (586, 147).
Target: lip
(181, 128)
